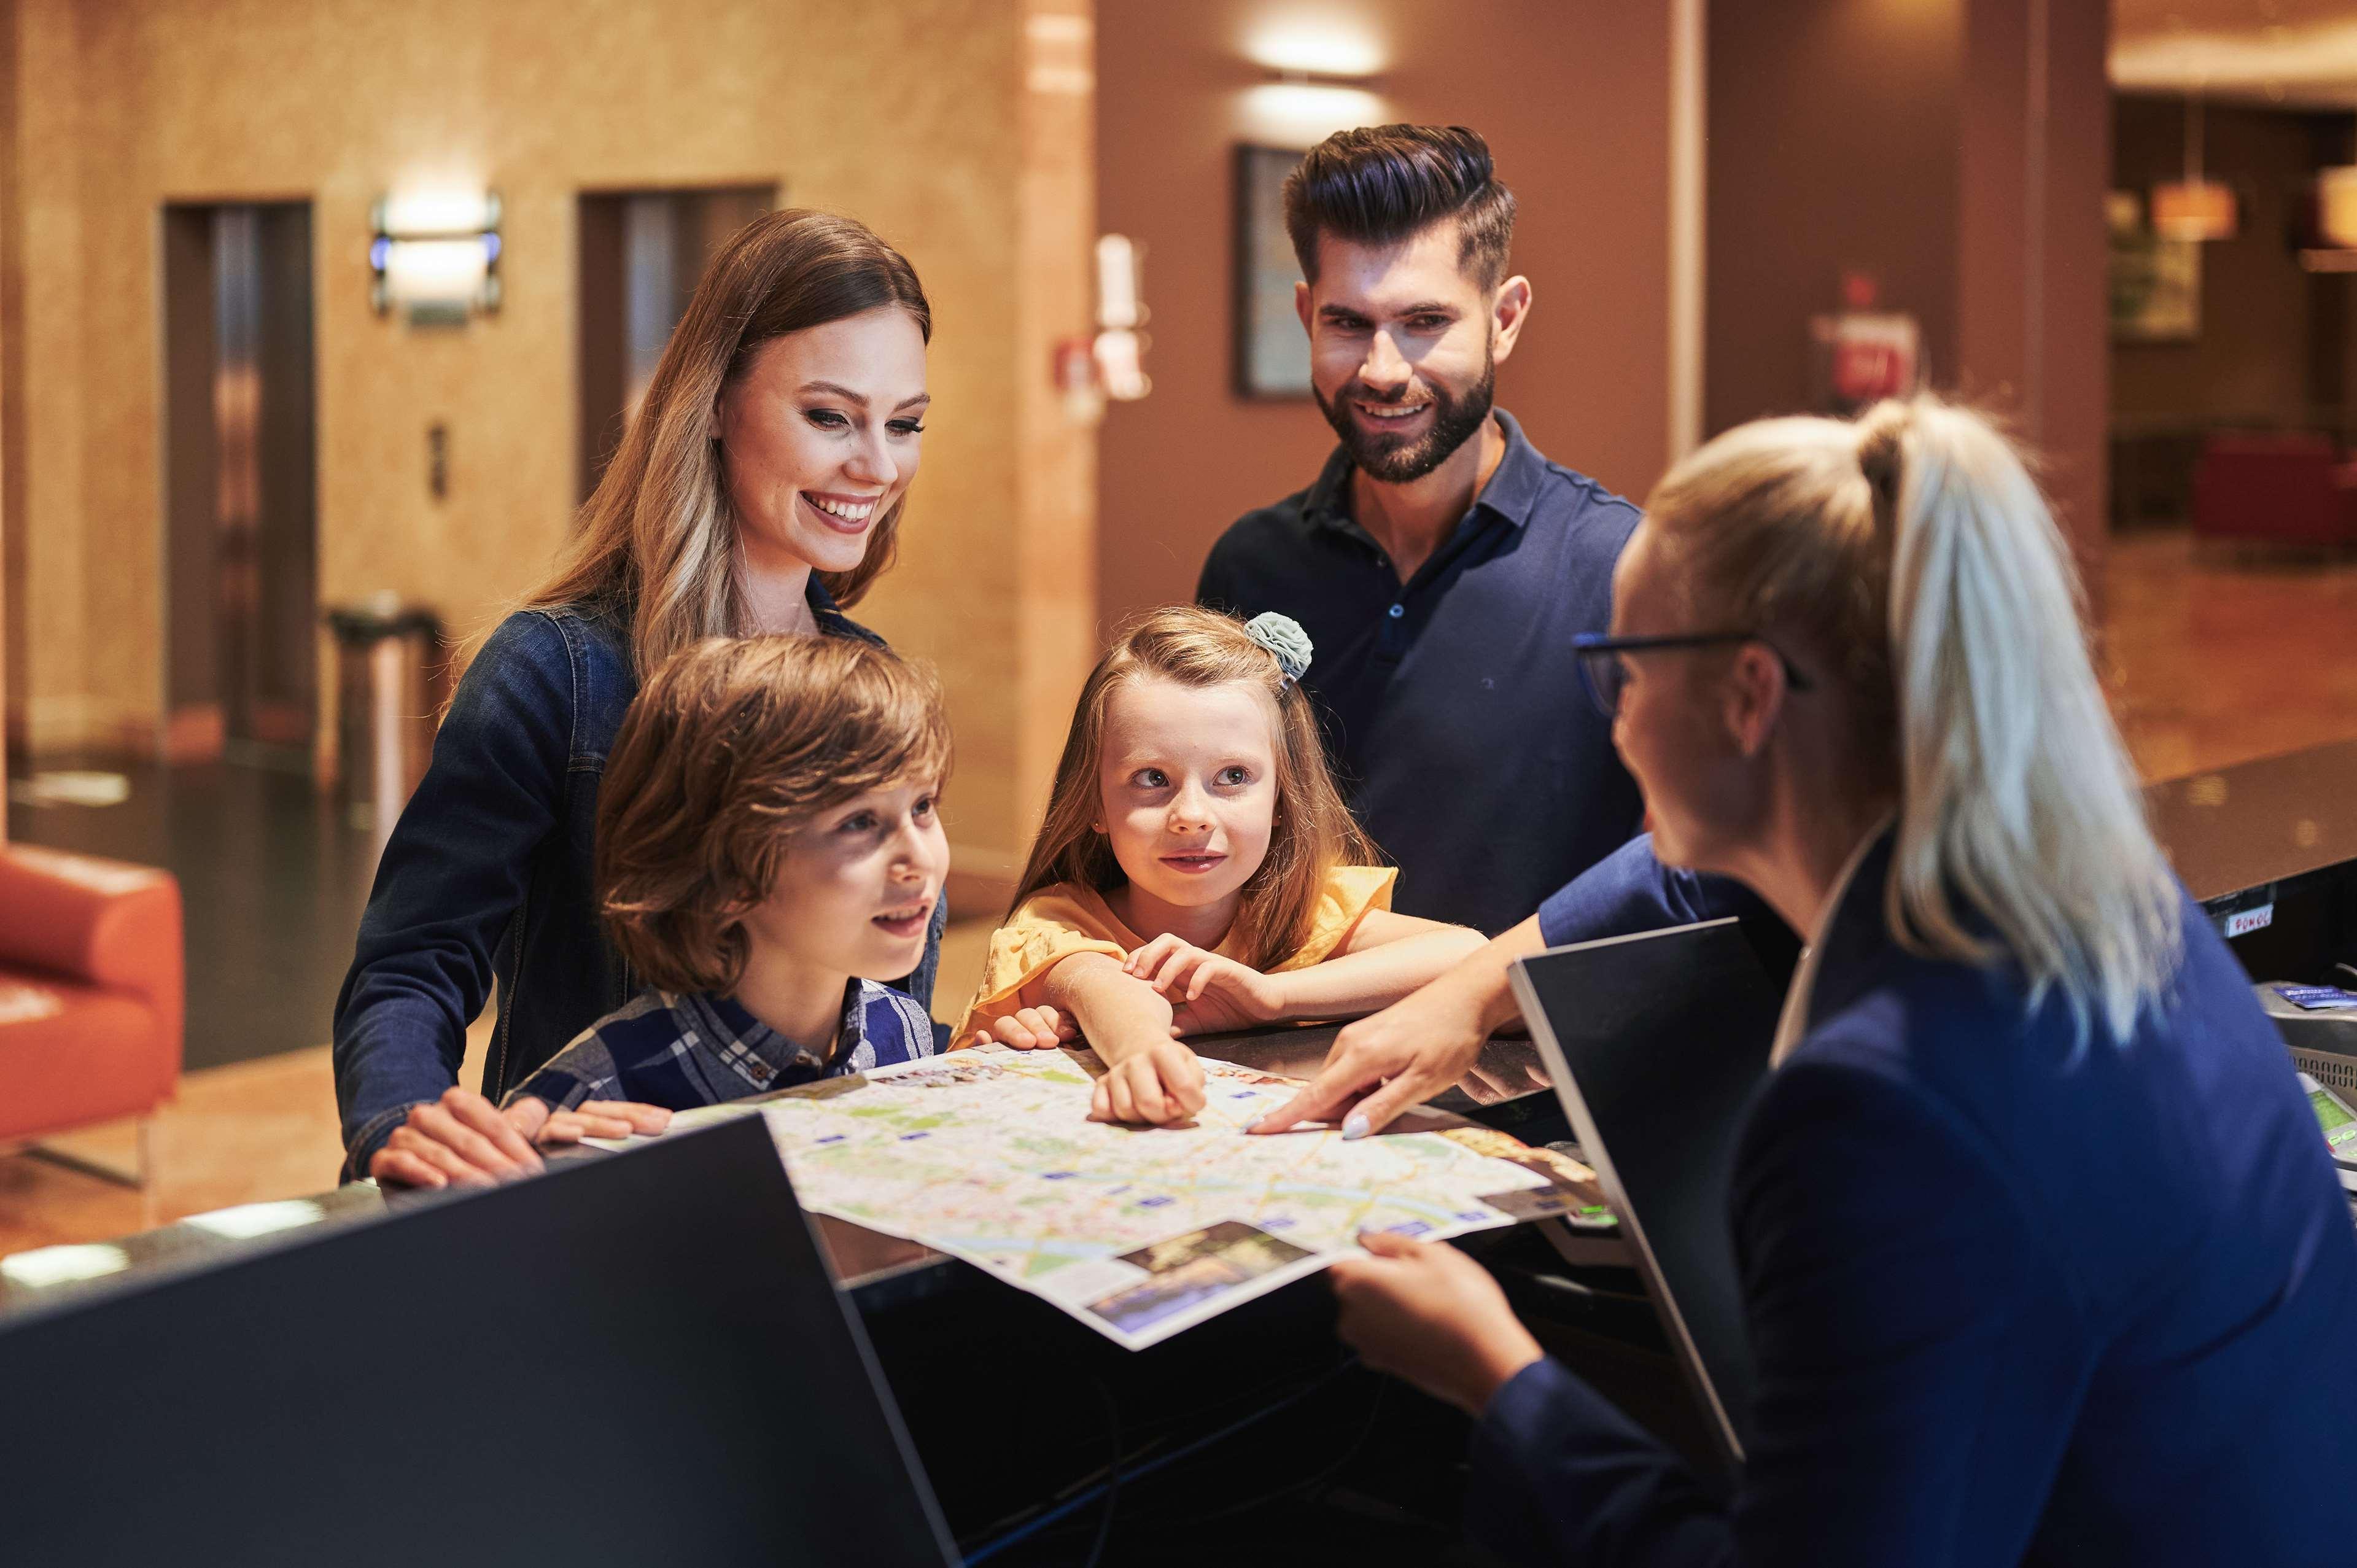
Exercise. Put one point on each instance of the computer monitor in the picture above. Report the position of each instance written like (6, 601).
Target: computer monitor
(633, 1360)
(1656, 1044)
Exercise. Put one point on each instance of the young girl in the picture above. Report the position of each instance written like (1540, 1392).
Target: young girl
(1196, 871)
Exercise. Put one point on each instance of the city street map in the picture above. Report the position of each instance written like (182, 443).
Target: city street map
(1139, 1232)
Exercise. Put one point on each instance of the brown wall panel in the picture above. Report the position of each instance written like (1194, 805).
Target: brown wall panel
(1834, 126)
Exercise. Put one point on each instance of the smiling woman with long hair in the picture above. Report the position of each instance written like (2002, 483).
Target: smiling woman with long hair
(759, 489)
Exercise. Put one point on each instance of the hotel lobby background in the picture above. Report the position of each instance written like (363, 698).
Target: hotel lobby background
(1684, 212)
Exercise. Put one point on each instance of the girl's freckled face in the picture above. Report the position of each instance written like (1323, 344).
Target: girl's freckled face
(1188, 787)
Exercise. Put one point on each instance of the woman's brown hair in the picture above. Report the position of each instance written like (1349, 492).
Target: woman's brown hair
(1314, 830)
(658, 535)
(733, 744)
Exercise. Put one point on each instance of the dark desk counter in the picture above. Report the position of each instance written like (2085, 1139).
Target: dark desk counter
(2258, 822)
(1507, 1088)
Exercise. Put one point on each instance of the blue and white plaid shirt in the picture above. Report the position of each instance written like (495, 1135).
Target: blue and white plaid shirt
(681, 1051)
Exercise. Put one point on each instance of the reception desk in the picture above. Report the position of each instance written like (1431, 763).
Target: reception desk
(2269, 848)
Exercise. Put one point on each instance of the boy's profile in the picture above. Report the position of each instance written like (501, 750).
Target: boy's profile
(767, 839)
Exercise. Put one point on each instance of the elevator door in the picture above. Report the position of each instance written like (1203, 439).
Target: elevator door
(241, 468)
(643, 253)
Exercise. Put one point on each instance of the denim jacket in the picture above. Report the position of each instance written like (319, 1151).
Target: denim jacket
(487, 875)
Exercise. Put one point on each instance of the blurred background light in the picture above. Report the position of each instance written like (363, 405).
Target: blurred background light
(434, 254)
(1292, 44)
(1300, 114)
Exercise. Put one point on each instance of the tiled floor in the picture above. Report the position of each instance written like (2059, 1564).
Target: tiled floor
(2211, 661)
(2214, 659)
(273, 877)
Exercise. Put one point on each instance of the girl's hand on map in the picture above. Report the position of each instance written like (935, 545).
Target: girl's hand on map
(1425, 1311)
(1162, 1084)
(1208, 994)
(1030, 1029)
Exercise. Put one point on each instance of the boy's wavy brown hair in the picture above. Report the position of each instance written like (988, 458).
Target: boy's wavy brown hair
(1314, 830)
(732, 745)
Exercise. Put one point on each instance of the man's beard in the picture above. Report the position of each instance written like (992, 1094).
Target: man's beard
(1395, 460)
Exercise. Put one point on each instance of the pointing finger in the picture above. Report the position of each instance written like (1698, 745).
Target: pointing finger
(1382, 1107)
(1328, 1092)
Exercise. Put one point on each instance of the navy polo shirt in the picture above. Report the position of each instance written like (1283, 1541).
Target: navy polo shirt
(1452, 706)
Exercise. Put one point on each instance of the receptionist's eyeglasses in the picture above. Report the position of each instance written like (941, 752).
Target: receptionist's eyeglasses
(1604, 669)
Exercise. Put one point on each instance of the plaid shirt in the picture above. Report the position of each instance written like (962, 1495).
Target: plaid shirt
(681, 1051)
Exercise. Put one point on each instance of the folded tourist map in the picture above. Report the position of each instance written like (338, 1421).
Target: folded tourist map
(1139, 1232)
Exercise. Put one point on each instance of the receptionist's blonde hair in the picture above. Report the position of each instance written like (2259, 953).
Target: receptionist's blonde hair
(1911, 547)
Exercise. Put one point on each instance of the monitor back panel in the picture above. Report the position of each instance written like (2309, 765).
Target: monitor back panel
(1657, 1043)
(629, 1360)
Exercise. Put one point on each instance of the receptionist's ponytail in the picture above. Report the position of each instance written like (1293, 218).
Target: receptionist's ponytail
(1912, 547)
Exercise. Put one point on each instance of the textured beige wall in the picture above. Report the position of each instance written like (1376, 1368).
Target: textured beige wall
(916, 116)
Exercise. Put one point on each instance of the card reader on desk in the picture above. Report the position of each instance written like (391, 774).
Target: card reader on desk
(2319, 1024)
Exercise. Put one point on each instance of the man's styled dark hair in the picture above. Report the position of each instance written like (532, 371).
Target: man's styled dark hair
(1379, 184)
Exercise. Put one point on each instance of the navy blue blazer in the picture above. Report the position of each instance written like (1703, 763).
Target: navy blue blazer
(2006, 1305)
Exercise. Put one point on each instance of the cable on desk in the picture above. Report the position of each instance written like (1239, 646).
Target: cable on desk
(1155, 1429)
(993, 1547)
(1307, 1484)
(1112, 1476)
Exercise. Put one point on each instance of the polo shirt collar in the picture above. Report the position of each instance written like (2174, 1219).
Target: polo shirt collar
(1512, 491)
(1513, 488)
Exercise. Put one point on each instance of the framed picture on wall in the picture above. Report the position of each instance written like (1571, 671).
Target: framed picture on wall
(1272, 352)
(2156, 283)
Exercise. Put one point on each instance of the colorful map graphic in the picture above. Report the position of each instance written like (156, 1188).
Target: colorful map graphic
(1137, 1232)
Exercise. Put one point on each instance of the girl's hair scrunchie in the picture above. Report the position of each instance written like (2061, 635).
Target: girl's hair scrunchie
(1282, 635)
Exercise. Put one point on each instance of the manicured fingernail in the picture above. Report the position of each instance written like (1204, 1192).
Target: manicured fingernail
(1355, 1126)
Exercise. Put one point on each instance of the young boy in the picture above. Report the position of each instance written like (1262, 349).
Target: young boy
(766, 837)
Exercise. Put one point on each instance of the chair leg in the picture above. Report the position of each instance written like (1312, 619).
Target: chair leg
(149, 1187)
(137, 1178)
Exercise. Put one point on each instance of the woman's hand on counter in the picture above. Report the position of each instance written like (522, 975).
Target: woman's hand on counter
(1427, 1313)
(459, 1140)
(1414, 1048)
(463, 1140)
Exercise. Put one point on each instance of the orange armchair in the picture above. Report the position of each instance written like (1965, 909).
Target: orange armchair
(91, 993)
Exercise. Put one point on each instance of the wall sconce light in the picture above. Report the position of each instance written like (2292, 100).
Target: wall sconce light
(2333, 246)
(2336, 206)
(1318, 79)
(2195, 207)
(435, 255)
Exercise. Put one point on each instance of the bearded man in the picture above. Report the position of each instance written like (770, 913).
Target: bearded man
(1441, 565)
